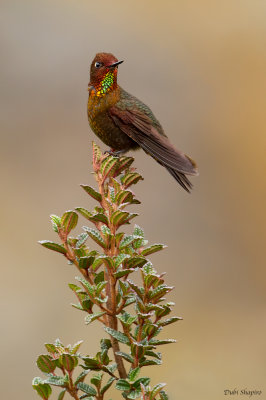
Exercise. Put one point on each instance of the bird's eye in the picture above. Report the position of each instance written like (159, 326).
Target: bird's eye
(98, 64)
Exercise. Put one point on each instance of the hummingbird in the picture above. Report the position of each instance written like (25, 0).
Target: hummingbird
(125, 123)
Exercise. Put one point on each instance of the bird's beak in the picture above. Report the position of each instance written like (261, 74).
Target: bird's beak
(115, 64)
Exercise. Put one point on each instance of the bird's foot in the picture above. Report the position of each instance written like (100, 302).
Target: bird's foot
(114, 153)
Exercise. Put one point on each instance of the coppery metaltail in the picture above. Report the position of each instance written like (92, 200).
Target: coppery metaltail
(125, 123)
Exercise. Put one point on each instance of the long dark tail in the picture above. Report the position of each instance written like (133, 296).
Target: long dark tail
(181, 179)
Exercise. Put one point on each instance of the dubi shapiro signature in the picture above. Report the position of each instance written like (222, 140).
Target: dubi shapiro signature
(242, 392)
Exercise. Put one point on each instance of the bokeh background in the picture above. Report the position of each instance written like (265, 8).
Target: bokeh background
(200, 65)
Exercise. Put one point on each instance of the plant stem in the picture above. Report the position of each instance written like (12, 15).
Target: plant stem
(110, 287)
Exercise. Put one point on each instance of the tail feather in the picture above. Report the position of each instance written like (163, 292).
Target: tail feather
(181, 179)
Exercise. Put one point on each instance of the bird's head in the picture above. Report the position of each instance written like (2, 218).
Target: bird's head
(103, 73)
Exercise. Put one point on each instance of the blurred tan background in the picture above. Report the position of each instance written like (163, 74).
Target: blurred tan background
(200, 65)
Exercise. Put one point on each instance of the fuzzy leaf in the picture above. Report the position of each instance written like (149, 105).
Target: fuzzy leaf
(156, 390)
(169, 321)
(51, 348)
(124, 163)
(134, 262)
(92, 317)
(130, 178)
(86, 388)
(163, 395)
(127, 239)
(108, 384)
(120, 259)
(150, 362)
(152, 249)
(43, 389)
(126, 356)
(53, 246)
(156, 342)
(46, 363)
(95, 235)
(61, 395)
(86, 262)
(123, 272)
(92, 192)
(55, 380)
(82, 376)
(134, 394)
(122, 384)
(108, 166)
(81, 239)
(117, 335)
(97, 379)
(69, 221)
(69, 362)
(132, 376)
(126, 319)
(138, 231)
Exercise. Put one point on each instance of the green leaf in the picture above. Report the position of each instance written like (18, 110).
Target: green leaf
(100, 217)
(163, 395)
(43, 389)
(144, 381)
(138, 290)
(46, 363)
(86, 262)
(97, 379)
(100, 287)
(155, 342)
(95, 235)
(150, 362)
(96, 151)
(69, 220)
(134, 262)
(126, 319)
(69, 362)
(120, 259)
(86, 285)
(75, 288)
(117, 335)
(108, 166)
(95, 195)
(51, 348)
(99, 277)
(130, 178)
(122, 384)
(127, 239)
(138, 231)
(105, 344)
(55, 380)
(169, 321)
(108, 384)
(126, 356)
(81, 239)
(123, 196)
(61, 395)
(156, 390)
(53, 246)
(86, 388)
(152, 249)
(105, 230)
(56, 222)
(132, 376)
(92, 317)
(82, 376)
(123, 272)
(119, 217)
(134, 394)
(160, 291)
(124, 163)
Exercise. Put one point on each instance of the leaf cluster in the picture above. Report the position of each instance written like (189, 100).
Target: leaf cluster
(133, 315)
